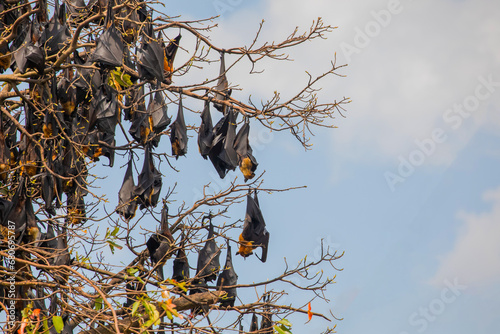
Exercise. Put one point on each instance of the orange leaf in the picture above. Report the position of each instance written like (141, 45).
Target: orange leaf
(309, 313)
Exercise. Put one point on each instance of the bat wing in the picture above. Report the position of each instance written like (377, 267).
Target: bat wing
(106, 110)
(208, 260)
(127, 205)
(254, 326)
(56, 34)
(157, 110)
(228, 277)
(109, 49)
(150, 57)
(222, 85)
(178, 133)
(181, 266)
(205, 134)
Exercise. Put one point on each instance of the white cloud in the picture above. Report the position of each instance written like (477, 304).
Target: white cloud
(475, 257)
(428, 57)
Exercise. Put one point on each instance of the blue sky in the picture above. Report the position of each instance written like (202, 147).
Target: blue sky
(407, 185)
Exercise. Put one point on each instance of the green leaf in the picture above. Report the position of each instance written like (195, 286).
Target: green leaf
(98, 304)
(284, 322)
(132, 271)
(281, 329)
(135, 307)
(115, 231)
(58, 323)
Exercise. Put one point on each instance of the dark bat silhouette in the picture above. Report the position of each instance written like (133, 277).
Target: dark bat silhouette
(208, 258)
(254, 326)
(104, 110)
(178, 133)
(87, 81)
(222, 91)
(149, 182)
(160, 243)
(57, 33)
(205, 135)
(254, 230)
(30, 54)
(168, 60)
(66, 92)
(228, 277)
(127, 204)
(157, 117)
(150, 56)
(266, 324)
(109, 48)
(181, 264)
(246, 160)
(222, 153)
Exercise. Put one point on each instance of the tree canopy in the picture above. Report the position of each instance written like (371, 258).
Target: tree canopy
(85, 82)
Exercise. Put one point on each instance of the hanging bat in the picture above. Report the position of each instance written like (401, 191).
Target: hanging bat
(56, 34)
(181, 264)
(178, 133)
(221, 90)
(246, 160)
(254, 230)
(254, 326)
(87, 81)
(168, 60)
(157, 111)
(159, 244)
(4, 153)
(104, 110)
(76, 213)
(109, 49)
(157, 117)
(134, 100)
(149, 182)
(30, 54)
(208, 259)
(222, 153)
(66, 92)
(205, 135)
(150, 56)
(127, 204)
(228, 277)
(266, 324)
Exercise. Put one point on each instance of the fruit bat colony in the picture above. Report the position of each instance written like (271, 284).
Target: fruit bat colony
(71, 116)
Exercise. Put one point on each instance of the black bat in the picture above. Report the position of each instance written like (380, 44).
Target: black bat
(222, 153)
(150, 56)
(16, 211)
(157, 110)
(109, 49)
(87, 80)
(56, 34)
(134, 100)
(160, 243)
(127, 204)
(48, 184)
(30, 54)
(168, 60)
(246, 160)
(208, 259)
(106, 147)
(76, 10)
(228, 277)
(178, 133)
(266, 324)
(181, 264)
(205, 135)
(254, 230)
(149, 182)
(76, 213)
(4, 153)
(222, 91)
(254, 326)
(104, 110)
(66, 92)
(157, 117)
